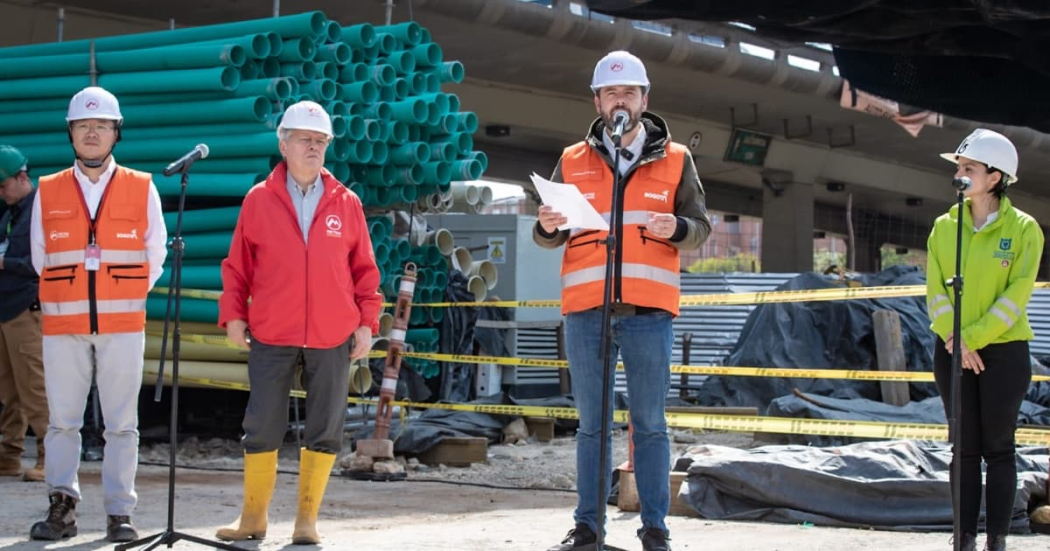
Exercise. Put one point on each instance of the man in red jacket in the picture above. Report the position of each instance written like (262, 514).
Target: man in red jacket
(301, 252)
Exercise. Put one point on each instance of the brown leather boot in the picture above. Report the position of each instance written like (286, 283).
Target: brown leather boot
(36, 473)
(10, 466)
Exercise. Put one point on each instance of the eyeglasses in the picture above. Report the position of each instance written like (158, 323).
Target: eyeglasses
(97, 128)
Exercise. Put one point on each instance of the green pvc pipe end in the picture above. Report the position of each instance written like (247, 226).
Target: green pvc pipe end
(353, 72)
(297, 50)
(385, 44)
(410, 111)
(468, 122)
(397, 132)
(466, 170)
(427, 55)
(451, 71)
(359, 92)
(403, 62)
(382, 74)
(380, 152)
(355, 127)
(358, 36)
(408, 33)
(437, 173)
(320, 90)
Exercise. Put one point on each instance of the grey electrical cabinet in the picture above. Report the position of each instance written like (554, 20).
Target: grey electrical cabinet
(526, 272)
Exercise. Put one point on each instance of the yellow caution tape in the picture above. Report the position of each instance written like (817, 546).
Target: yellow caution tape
(729, 371)
(732, 423)
(715, 299)
(190, 293)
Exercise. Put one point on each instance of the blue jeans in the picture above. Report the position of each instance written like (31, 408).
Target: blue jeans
(644, 341)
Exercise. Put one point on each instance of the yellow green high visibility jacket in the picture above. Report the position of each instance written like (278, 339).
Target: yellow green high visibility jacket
(999, 266)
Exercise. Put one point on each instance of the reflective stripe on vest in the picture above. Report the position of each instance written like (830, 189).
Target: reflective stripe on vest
(77, 307)
(638, 271)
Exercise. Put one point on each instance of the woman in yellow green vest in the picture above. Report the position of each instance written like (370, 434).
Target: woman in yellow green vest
(1001, 251)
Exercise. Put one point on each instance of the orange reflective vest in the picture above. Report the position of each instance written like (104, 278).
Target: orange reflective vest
(646, 267)
(73, 300)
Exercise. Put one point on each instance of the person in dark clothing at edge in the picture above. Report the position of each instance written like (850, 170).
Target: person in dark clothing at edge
(21, 351)
(663, 212)
(1001, 251)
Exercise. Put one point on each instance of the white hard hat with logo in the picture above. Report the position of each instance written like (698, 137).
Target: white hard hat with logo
(306, 115)
(991, 148)
(94, 102)
(619, 68)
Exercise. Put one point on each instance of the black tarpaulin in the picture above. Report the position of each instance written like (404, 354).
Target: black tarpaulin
(982, 60)
(898, 485)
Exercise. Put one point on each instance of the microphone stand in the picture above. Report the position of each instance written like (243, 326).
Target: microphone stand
(169, 536)
(608, 359)
(955, 421)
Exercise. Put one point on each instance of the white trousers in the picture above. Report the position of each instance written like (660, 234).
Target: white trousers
(67, 378)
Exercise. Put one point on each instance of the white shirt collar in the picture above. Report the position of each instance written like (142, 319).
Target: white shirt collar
(102, 179)
(635, 148)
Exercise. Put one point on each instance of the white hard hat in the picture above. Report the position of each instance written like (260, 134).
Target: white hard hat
(94, 103)
(991, 148)
(306, 115)
(619, 68)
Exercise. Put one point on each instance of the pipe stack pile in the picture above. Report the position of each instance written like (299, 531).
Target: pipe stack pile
(399, 139)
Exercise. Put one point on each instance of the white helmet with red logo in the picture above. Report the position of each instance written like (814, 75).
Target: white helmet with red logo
(619, 68)
(306, 115)
(94, 102)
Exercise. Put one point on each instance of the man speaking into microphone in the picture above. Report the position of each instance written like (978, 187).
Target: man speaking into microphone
(661, 210)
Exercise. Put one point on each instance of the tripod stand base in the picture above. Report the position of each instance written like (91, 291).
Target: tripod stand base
(169, 538)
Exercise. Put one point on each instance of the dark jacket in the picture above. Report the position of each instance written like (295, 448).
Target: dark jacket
(19, 283)
(690, 207)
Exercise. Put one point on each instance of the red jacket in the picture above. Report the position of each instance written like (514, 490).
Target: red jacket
(311, 294)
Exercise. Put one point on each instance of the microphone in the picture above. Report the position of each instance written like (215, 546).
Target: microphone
(962, 183)
(199, 152)
(620, 119)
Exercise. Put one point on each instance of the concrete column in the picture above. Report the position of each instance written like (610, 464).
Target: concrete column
(787, 228)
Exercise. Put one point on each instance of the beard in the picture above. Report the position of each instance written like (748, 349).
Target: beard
(633, 120)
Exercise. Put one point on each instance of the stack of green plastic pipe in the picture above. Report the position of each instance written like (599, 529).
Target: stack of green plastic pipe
(398, 135)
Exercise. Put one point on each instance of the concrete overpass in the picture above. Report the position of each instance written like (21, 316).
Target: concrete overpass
(528, 66)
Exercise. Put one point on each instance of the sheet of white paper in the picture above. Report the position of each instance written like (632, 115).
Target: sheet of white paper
(567, 199)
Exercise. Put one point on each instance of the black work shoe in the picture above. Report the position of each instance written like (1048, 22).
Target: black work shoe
(995, 543)
(654, 539)
(968, 542)
(578, 538)
(120, 529)
(61, 521)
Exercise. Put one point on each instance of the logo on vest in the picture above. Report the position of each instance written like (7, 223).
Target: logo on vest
(589, 196)
(134, 234)
(662, 197)
(56, 235)
(334, 225)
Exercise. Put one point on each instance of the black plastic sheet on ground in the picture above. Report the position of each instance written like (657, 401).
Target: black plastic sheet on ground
(421, 433)
(826, 334)
(897, 485)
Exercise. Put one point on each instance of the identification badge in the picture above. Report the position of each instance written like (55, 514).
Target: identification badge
(92, 258)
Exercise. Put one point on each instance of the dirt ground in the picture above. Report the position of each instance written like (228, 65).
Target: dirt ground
(435, 509)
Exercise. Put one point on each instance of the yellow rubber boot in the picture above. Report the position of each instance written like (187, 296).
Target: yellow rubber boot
(260, 475)
(314, 468)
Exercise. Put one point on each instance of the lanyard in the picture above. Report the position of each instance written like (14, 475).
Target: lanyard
(92, 220)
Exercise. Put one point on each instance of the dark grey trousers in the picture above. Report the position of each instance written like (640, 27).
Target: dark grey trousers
(271, 373)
